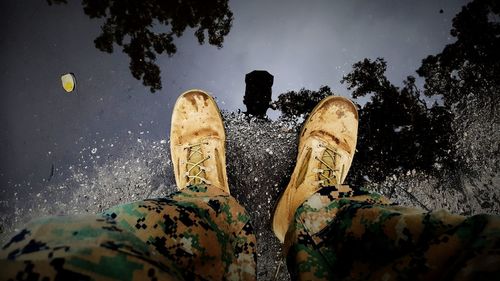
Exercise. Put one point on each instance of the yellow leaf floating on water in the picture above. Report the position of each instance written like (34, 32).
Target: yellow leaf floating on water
(68, 82)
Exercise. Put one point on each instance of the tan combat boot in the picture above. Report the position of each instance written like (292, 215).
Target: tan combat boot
(197, 141)
(326, 148)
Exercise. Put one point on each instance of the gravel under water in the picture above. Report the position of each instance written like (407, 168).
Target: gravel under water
(260, 158)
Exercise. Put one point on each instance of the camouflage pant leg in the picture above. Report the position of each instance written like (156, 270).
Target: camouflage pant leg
(198, 234)
(346, 235)
(204, 230)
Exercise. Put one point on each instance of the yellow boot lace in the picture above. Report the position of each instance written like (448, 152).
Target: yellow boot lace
(327, 174)
(195, 171)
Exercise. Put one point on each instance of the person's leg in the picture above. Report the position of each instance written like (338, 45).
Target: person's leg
(331, 232)
(202, 229)
(198, 233)
(197, 145)
(327, 143)
(360, 237)
(91, 247)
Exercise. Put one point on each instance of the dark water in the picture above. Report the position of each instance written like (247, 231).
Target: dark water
(106, 143)
(303, 45)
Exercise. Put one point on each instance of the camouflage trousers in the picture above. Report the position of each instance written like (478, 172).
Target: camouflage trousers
(202, 233)
(341, 234)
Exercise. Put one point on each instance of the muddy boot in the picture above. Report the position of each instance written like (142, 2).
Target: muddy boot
(197, 141)
(326, 148)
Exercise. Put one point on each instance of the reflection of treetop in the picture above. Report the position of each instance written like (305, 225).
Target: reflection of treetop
(131, 24)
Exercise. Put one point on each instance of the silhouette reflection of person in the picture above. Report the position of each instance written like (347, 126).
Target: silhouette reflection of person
(258, 92)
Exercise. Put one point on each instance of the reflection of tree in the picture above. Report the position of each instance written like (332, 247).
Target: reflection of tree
(470, 63)
(134, 25)
(466, 74)
(302, 102)
(397, 132)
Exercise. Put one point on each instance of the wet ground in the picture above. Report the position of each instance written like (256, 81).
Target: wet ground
(106, 143)
(260, 159)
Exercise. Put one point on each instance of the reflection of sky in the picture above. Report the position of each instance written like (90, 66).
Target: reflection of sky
(302, 43)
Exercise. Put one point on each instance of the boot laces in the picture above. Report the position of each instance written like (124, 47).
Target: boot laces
(327, 174)
(195, 171)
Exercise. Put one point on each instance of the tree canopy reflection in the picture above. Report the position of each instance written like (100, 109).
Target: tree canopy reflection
(399, 132)
(144, 29)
